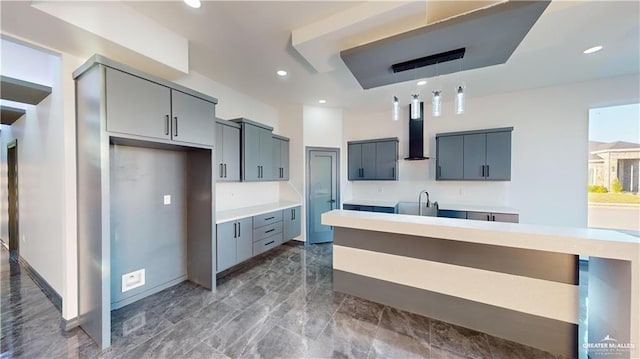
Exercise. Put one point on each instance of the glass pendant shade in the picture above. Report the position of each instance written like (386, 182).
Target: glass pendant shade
(436, 104)
(460, 102)
(396, 109)
(415, 106)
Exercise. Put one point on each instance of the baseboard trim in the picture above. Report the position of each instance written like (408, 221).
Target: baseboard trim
(47, 289)
(67, 325)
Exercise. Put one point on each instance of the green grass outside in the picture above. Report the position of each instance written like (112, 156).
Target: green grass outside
(614, 198)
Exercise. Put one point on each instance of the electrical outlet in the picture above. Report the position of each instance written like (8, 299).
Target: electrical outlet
(167, 199)
(132, 280)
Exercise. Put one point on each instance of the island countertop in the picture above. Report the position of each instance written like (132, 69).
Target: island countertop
(569, 240)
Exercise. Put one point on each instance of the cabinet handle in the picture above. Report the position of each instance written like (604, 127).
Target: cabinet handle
(239, 228)
(266, 244)
(493, 218)
(225, 170)
(235, 230)
(393, 172)
(293, 214)
(487, 170)
(270, 218)
(166, 125)
(175, 119)
(482, 170)
(269, 231)
(258, 171)
(488, 217)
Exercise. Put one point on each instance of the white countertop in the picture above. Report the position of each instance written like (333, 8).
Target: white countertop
(476, 208)
(579, 241)
(370, 202)
(239, 213)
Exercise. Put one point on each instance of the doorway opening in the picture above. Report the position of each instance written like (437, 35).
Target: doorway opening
(614, 168)
(12, 179)
(323, 190)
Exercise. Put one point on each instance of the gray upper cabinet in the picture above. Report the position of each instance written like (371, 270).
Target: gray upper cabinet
(193, 119)
(280, 168)
(140, 107)
(137, 106)
(373, 159)
(290, 223)
(474, 155)
(449, 157)
(227, 151)
(256, 151)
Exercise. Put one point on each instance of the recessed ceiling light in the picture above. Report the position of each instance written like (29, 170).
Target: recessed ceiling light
(422, 82)
(193, 3)
(591, 50)
(322, 101)
(281, 73)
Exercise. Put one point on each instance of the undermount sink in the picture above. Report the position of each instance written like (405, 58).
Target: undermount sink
(412, 209)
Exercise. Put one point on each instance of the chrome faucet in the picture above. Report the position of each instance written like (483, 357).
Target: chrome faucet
(428, 204)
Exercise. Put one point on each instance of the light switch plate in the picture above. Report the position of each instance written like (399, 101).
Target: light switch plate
(167, 199)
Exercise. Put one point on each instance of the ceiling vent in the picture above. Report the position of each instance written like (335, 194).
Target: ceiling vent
(428, 60)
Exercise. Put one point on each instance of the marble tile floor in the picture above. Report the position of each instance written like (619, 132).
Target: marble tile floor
(281, 306)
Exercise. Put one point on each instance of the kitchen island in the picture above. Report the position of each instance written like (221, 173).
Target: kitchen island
(515, 281)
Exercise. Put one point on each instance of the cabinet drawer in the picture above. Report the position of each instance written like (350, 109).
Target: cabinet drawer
(265, 244)
(267, 218)
(267, 231)
(452, 214)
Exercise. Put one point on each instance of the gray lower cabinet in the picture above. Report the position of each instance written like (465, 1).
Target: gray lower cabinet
(493, 217)
(227, 151)
(474, 155)
(234, 243)
(267, 231)
(291, 223)
(375, 159)
(363, 208)
(140, 107)
(256, 151)
(280, 168)
(447, 213)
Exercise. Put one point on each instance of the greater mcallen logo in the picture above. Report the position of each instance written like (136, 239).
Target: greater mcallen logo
(609, 343)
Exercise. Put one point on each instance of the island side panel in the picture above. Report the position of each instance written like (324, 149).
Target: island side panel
(547, 333)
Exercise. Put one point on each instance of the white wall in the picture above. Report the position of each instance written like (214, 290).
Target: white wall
(549, 151)
(234, 104)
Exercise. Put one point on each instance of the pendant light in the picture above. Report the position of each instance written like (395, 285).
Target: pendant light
(396, 109)
(459, 103)
(436, 103)
(415, 106)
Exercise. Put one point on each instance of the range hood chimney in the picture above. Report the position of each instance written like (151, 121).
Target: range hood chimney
(416, 137)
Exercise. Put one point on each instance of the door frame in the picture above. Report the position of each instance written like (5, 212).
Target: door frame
(307, 198)
(13, 146)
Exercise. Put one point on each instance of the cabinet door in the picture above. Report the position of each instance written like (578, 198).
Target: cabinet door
(479, 216)
(504, 217)
(251, 152)
(386, 160)
(284, 159)
(193, 119)
(275, 167)
(266, 155)
(447, 213)
(244, 242)
(219, 152)
(498, 156)
(449, 157)
(226, 245)
(354, 161)
(136, 106)
(474, 156)
(291, 223)
(231, 153)
(368, 161)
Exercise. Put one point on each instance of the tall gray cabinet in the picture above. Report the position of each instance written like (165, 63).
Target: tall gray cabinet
(483, 155)
(133, 129)
(256, 152)
(227, 151)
